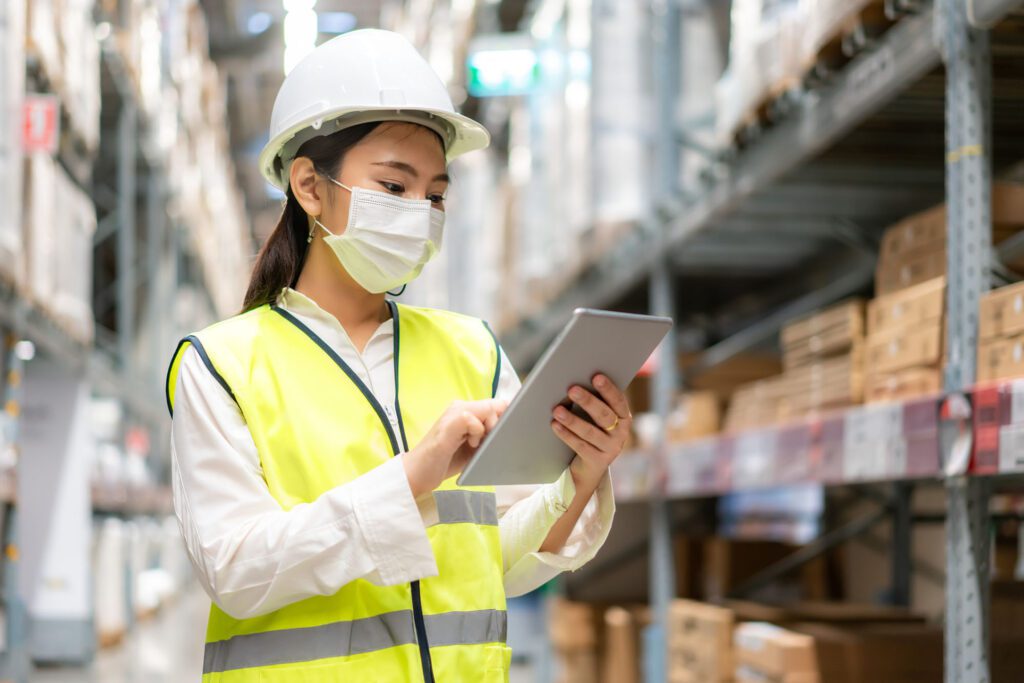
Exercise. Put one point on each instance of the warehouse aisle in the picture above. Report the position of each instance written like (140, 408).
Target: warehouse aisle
(165, 649)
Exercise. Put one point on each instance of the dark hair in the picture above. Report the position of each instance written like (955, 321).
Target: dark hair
(280, 260)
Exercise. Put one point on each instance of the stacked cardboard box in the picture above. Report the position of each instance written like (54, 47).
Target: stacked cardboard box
(574, 637)
(914, 250)
(596, 642)
(823, 357)
(700, 643)
(1001, 334)
(906, 332)
(765, 652)
(834, 332)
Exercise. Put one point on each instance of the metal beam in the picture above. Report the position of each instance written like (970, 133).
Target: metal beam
(969, 236)
(809, 552)
(127, 135)
(856, 274)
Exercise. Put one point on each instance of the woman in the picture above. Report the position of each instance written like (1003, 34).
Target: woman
(316, 436)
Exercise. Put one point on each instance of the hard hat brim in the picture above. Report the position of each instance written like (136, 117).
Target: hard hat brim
(461, 134)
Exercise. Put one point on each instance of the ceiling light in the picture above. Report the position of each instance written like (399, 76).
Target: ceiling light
(336, 22)
(258, 23)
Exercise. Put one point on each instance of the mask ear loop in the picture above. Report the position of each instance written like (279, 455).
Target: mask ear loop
(399, 292)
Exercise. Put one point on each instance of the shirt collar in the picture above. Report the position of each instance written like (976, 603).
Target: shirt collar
(296, 302)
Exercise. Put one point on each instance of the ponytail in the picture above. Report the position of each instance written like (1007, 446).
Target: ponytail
(280, 260)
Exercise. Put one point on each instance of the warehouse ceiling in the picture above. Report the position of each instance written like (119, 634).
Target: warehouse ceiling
(247, 44)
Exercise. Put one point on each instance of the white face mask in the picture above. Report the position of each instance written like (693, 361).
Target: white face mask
(388, 239)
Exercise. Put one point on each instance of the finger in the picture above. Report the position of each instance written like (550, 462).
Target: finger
(580, 447)
(483, 409)
(599, 411)
(501, 407)
(474, 429)
(613, 396)
(491, 421)
(595, 436)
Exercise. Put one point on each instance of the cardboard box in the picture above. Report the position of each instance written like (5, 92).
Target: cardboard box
(915, 269)
(573, 625)
(700, 641)
(909, 308)
(696, 415)
(621, 661)
(831, 332)
(876, 653)
(1001, 359)
(725, 379)
(774, 652)
(926, 231)
(893, 350)
(831, 383)
(1001, 313)
(902, 384)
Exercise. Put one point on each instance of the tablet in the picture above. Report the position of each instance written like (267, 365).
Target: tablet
(522, 448)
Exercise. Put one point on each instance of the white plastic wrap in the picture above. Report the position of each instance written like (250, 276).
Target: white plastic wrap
(12, 88)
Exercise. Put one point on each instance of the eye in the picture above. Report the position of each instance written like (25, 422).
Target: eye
(394, 188)
(435, 198)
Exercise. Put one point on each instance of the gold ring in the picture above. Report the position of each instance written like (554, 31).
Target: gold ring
(612, 428)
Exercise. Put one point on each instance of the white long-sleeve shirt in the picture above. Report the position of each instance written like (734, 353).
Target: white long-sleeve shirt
(253, 557)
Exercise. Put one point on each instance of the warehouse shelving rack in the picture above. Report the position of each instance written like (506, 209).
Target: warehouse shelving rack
(882, 103)
(140, 182)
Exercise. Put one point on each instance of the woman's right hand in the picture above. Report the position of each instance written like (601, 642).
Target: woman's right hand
(450, 443)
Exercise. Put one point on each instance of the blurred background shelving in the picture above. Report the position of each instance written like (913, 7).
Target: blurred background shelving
(826, 458)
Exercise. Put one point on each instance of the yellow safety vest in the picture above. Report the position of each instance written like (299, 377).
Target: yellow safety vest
(316, 425)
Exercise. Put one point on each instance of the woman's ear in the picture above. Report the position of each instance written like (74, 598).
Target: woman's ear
(303, 179)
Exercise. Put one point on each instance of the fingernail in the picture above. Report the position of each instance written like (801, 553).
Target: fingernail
(600, 381)
(561, 414)
(575, 393)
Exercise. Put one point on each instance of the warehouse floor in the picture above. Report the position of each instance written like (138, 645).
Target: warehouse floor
(165, 649)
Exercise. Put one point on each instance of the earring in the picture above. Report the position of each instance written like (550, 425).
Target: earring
(312, 229)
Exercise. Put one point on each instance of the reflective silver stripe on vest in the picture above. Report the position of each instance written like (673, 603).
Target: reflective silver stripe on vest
(343, 638)
(477, 507)
(460, 628)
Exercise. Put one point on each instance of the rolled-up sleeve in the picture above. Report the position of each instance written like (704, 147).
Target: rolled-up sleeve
(527, 513)
(251, 555)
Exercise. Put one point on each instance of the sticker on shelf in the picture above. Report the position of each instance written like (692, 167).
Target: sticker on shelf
(1011, 448)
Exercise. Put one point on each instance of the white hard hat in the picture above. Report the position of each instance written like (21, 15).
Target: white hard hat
(358, 77)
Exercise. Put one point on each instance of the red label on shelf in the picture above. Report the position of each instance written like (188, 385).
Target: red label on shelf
(41, 123)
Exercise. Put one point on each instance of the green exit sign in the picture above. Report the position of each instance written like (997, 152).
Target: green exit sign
(501, 65)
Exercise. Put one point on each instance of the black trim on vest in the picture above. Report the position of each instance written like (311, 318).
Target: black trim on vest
(201, 350)
(346, 369)
(417, 602)
(497, 364)
(397, 339)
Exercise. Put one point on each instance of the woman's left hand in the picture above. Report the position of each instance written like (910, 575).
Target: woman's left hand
(596, 447)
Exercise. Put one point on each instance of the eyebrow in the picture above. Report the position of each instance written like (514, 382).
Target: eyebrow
(402, 166)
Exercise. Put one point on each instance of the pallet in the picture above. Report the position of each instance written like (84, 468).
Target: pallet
(851, 37)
